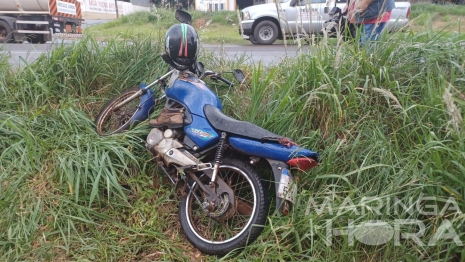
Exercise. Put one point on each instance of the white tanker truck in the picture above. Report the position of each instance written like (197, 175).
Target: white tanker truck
(37, 21)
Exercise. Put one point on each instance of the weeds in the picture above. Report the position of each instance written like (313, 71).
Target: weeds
(156, 22)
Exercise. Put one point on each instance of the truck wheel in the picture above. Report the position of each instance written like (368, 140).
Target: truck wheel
(252, 40)
(6, 34)
(265, 33)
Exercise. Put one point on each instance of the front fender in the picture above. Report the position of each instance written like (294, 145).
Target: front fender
(146, 106)
(266, 16)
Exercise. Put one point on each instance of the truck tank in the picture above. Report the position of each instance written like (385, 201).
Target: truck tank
(67, 8)
(37, 20)
(24, 6)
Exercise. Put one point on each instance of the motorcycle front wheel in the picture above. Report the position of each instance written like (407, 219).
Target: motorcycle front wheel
(110, 121)
(219, 231)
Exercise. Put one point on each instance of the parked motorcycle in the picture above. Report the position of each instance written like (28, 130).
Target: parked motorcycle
(207, 155)
(338, 24)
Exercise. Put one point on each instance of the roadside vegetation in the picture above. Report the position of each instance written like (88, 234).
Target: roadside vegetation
(213, 27)
(447, 18)
(222, 27)
(387, 120)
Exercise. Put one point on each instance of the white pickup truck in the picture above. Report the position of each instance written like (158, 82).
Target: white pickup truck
(262, 25)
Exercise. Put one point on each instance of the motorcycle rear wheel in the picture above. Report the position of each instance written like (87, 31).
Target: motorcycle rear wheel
(226, 229)
(110, 121)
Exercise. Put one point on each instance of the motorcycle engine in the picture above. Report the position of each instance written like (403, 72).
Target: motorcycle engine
(169, 148)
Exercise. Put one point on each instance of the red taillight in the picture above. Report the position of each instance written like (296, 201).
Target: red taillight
(302, 163)
(408, 12)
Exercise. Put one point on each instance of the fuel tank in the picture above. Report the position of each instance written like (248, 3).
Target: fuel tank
(193, 94)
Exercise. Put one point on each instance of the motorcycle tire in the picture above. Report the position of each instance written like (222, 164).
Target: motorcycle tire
(110, 121)
(226, 228)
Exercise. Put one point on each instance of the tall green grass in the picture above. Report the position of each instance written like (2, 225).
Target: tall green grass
(422, 8)
(57, 175)
(384, 120)
(213, 27)
(387, 120)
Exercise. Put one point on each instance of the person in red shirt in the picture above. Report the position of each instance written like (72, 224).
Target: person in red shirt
(372, 15)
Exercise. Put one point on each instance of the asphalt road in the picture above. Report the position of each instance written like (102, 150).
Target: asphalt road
(19, 54)
(267, 54)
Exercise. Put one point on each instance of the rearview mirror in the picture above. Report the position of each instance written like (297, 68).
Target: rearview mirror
(239, 75)
(200, 69)
(183, 17)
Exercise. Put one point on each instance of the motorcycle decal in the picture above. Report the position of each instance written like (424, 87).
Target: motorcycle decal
(203, 134)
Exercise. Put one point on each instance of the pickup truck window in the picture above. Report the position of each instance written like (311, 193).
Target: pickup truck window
(309, 2)
(316, 2)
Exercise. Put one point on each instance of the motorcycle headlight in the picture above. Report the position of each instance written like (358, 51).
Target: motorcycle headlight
(245, 15)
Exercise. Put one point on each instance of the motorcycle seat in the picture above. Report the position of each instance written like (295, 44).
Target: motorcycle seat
(230, 125)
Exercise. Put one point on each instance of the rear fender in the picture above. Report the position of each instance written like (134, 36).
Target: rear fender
(284, 184)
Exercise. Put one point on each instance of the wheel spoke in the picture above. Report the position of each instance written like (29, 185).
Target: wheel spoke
(244, 208)
(228, 226)
(220, 227)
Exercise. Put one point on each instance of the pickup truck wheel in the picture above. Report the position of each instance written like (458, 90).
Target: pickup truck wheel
(265, 33)
(252, 40)
(5, 32)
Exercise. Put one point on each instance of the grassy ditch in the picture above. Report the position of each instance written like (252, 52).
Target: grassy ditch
(387, 120)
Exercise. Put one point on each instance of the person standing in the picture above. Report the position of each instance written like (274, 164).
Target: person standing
(372, 15)
(349, 11)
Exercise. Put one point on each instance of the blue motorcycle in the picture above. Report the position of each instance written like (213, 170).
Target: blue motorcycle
(208, 156)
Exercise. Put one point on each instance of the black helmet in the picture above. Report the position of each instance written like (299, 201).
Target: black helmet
(182, 44)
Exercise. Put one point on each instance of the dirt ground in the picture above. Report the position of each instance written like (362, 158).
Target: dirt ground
(449, 23)
(452, 22)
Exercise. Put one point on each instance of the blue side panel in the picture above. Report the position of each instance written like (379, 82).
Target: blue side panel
(201, 133)
(147, 104)
(194, 94)
(268, 150)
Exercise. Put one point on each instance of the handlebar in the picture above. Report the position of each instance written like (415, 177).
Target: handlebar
(216, 76)
(211, 74)
(226, 81)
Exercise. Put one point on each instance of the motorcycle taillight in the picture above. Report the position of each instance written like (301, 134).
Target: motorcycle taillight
(303, 163)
